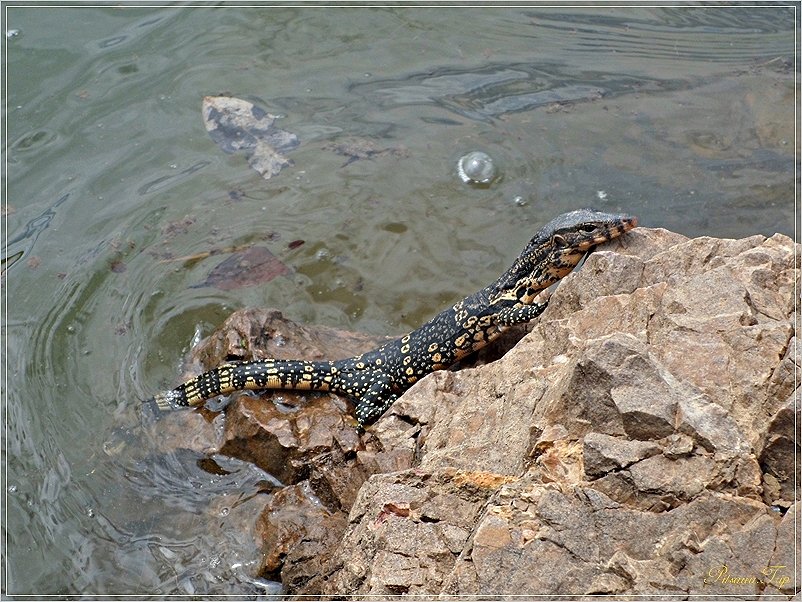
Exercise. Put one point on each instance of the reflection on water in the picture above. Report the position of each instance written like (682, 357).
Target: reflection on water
(118, 201)
(27, 237)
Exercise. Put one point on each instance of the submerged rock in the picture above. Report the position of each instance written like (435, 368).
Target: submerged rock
(357, 148)
(640, 440)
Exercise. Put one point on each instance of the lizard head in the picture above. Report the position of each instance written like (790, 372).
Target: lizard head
(557, 248)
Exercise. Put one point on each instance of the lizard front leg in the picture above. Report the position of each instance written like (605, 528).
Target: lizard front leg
(374, 401)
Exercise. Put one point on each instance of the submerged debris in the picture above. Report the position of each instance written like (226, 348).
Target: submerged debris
(237, 125)
(255, 265)
(356, 148)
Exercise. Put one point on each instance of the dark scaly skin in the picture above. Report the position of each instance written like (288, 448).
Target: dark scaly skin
(377, 378)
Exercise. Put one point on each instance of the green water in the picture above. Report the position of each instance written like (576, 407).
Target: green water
(683, 116)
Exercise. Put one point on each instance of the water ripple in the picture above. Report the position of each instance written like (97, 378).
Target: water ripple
(30, 233)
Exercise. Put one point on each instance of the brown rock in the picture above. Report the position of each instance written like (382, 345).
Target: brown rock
(307, 442)
(638, 441)
(255, 333)
(642, 416)
(540, 540)
(783, 571)
(297, 533)
(778, 452)
(404, 536)
(284, 442)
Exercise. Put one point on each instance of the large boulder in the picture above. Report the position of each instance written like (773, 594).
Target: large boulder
(640, 441)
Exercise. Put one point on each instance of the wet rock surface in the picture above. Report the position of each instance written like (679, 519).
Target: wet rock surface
(640, 440)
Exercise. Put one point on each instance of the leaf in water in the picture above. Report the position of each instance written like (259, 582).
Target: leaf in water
(237, 125)
(253, 266)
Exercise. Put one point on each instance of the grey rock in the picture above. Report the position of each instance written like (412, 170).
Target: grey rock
(603, 453)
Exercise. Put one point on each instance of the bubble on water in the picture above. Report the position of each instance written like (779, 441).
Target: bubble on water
(12, 489)
(476, 168)
(224, 511)
(12, 33)
(601, 195)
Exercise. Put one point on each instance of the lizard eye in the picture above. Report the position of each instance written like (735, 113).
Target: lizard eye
(587, 228)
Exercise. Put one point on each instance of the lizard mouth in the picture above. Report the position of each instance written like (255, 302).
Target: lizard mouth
(627, 224)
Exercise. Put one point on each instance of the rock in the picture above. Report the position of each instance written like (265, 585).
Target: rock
(638, 441)
(283, 442)
(778, 452)
(783, 570)
(543, 540)
(639, 422)
(306, 442)
(603, 453)
(403, 537)
(256, 333)
(297, 533)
